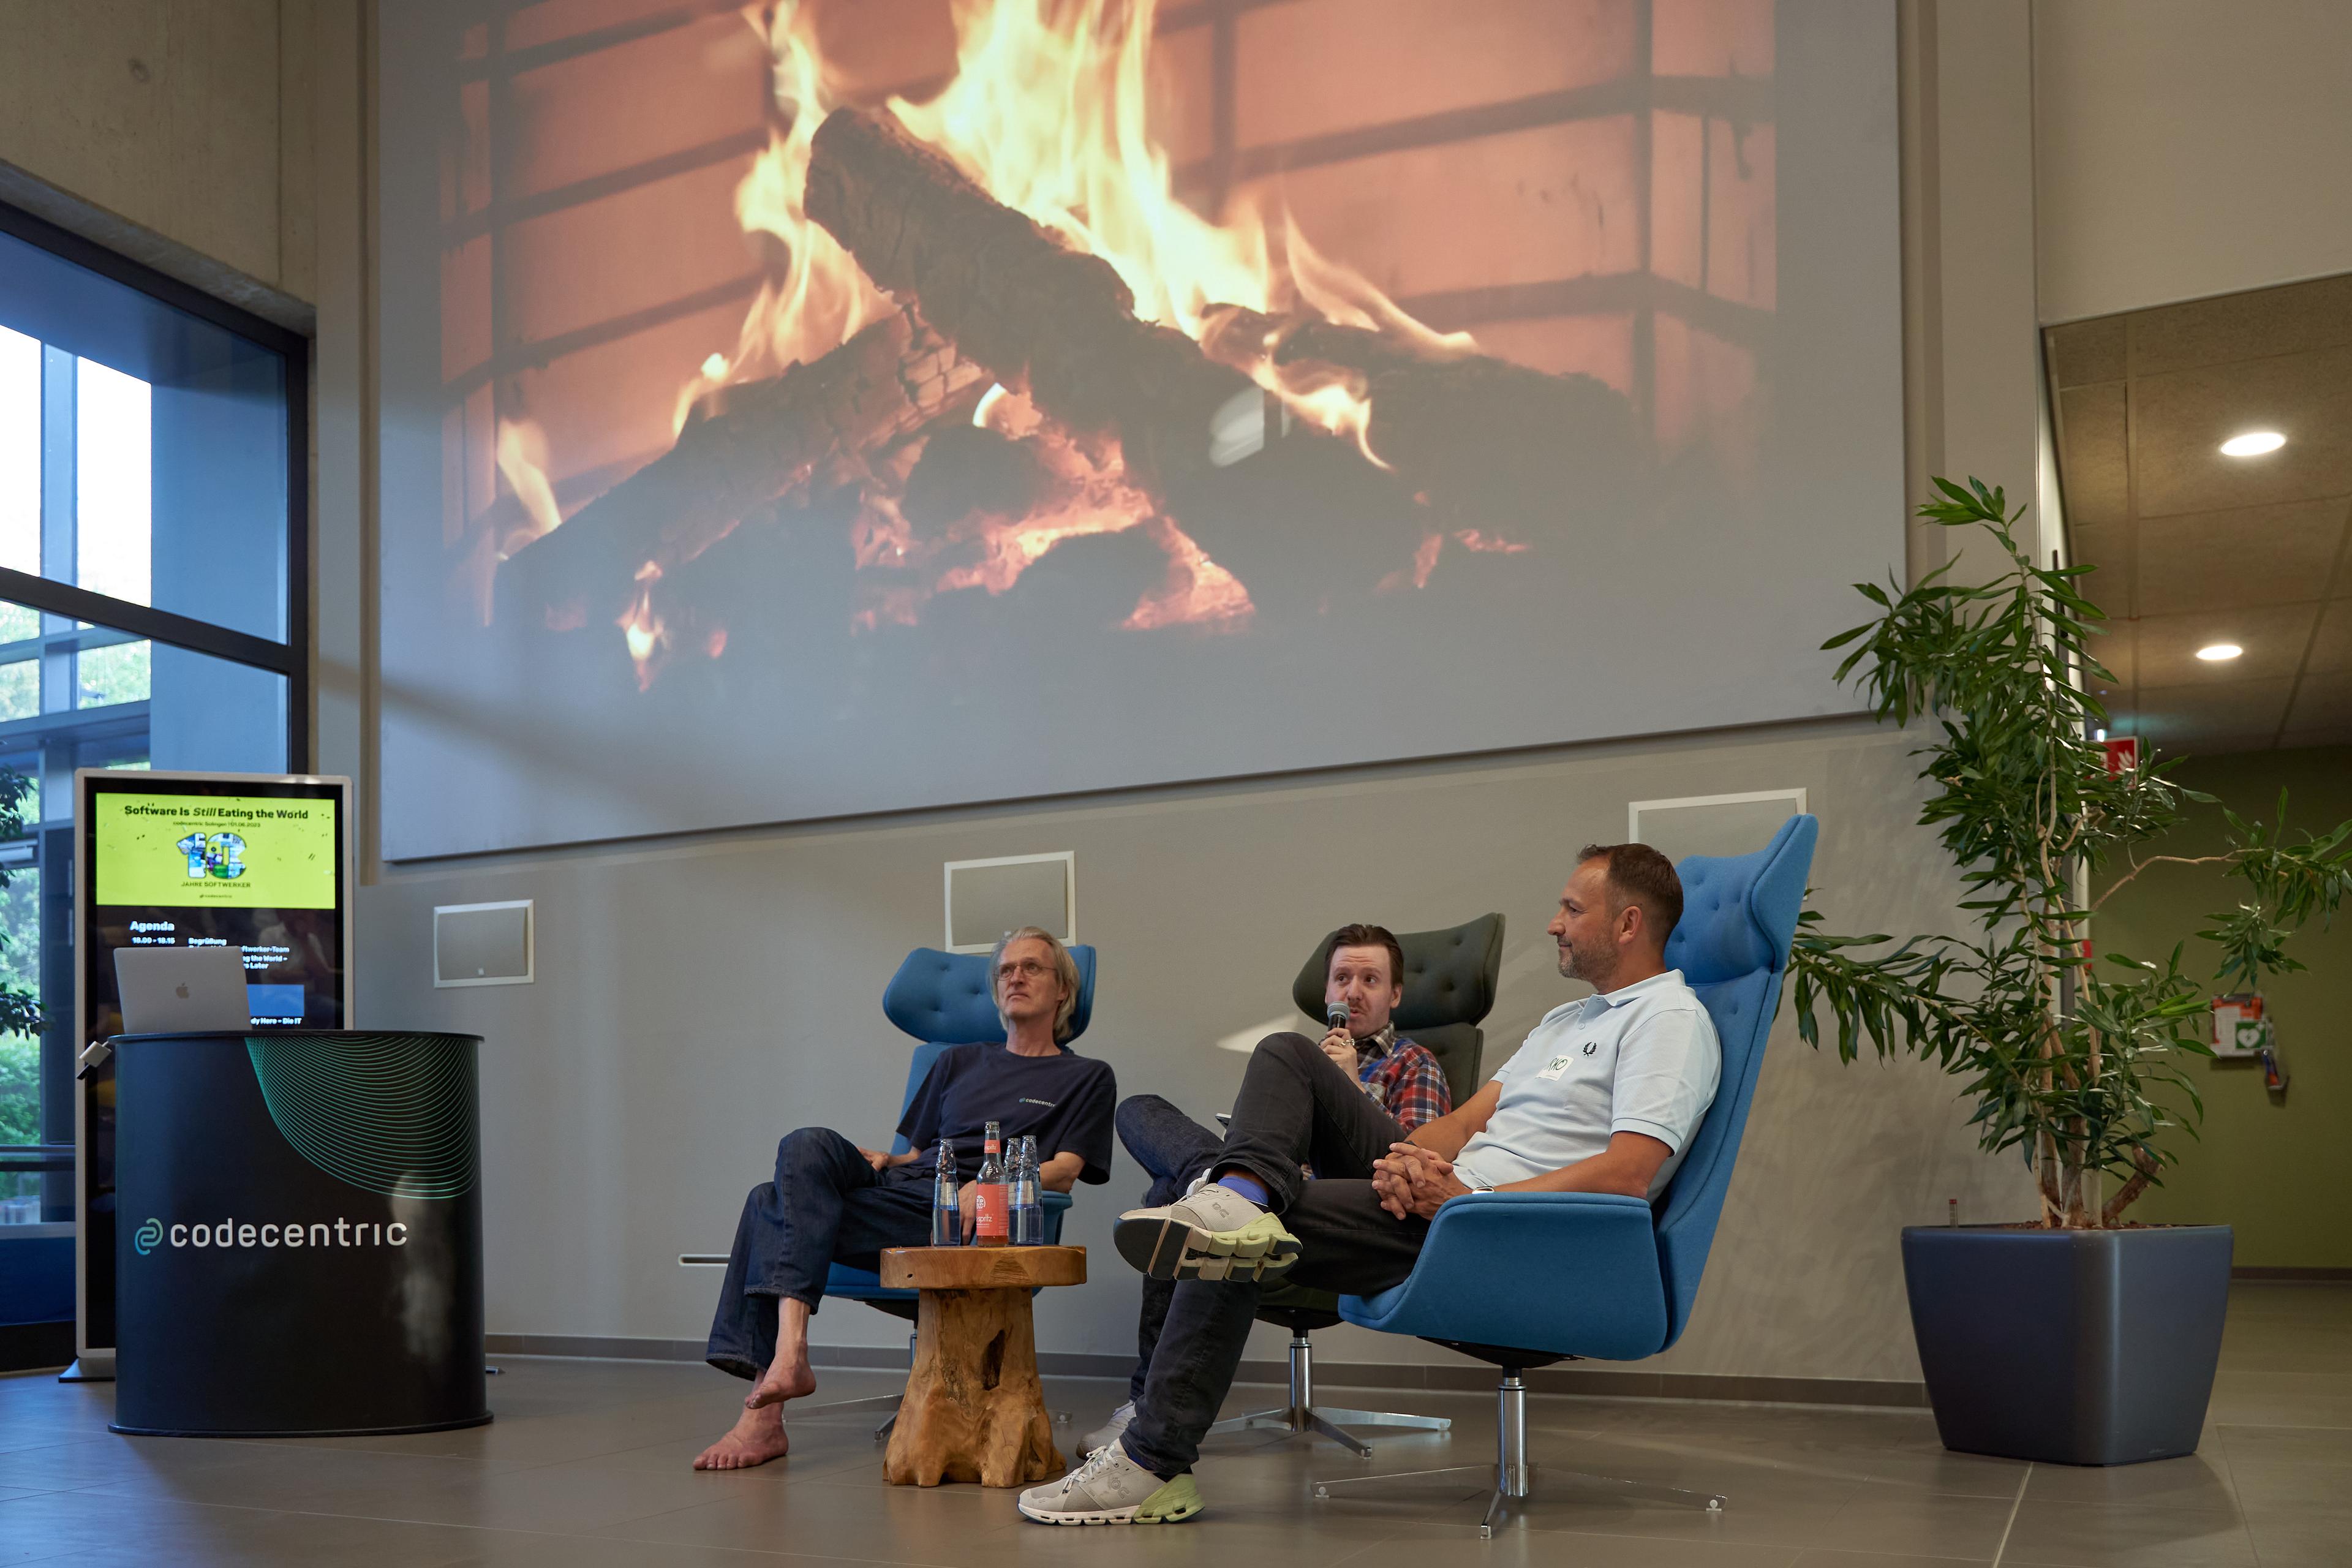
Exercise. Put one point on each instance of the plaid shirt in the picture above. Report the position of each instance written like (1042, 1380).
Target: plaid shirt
(1403, 1078)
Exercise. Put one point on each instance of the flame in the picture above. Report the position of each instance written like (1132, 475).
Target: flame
(822, 297)
(1047, 110)
(643, 628)
(1197, 591)
(1490, 544)
(1089, 493)
(522, 459)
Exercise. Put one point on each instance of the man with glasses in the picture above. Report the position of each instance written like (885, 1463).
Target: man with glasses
(834, 1202)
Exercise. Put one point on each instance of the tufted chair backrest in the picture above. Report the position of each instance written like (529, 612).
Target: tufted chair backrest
(1739, 917)
(1449, 989)
(946, 999)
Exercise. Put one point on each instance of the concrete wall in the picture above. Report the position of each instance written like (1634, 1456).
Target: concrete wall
(2184, 148)
(1975, 361)
(697, 999)
(189, 119)
(694, 1001)
(2270, 1165)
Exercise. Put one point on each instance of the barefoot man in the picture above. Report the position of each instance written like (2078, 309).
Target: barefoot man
(833, 1201)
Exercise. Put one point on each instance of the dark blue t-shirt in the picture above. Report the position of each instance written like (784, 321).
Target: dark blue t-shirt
(1064, 1101)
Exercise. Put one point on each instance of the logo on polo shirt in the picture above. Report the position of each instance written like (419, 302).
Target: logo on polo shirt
(1591, 1045)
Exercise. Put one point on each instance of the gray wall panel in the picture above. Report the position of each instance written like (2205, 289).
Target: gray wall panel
(696, 1001)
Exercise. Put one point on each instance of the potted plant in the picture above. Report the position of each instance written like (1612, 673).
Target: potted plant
(2072, 1335)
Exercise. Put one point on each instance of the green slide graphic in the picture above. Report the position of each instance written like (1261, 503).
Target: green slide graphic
(240, 852)
(392, 1114)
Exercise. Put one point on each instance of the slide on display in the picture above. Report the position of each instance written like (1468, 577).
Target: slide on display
(226, 851)
(253, 873)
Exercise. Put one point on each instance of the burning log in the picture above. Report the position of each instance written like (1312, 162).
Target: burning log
(1477, 434)
(1057, 323)
(771, 437)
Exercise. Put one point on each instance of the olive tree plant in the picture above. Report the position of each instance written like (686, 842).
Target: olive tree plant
(2076, 1064)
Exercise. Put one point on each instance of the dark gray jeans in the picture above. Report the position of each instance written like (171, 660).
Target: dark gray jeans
(1173, 1149)
(1296, 1105)
(826, 1206)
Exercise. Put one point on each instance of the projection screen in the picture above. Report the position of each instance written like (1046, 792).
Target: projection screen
(836, 408)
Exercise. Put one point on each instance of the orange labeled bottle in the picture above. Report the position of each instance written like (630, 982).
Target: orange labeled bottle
(992, 1217)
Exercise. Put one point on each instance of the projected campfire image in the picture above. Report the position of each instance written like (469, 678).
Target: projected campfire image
(1039, 379)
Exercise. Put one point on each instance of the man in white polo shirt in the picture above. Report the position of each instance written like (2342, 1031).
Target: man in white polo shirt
(1604, 1097)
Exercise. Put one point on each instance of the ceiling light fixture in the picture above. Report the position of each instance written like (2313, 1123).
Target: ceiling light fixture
(2214, 653)
(2252, 444)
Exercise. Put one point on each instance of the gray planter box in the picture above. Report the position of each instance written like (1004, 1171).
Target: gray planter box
(2073, 1347)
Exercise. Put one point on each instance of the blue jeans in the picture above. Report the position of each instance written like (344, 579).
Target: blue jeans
(1295, 1106)
(826, 1206)
(1173, 1149)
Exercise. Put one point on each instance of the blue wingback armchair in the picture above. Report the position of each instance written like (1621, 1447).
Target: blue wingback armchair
(1524, 1280)
(942, 999)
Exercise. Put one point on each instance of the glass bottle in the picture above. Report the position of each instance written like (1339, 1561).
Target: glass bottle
(947, 1218)
(1028, 1217)
(991, 1225)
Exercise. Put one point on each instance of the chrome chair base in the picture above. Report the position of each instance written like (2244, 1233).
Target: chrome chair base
(889, 1401)
(1514, 1476)
(1303, 1417)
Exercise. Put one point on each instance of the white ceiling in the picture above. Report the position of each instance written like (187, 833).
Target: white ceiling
(2194, 548)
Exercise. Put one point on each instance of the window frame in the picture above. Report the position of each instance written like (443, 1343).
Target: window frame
(104, 616)
(289, 659)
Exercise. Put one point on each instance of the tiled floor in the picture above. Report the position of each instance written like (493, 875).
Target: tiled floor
(586, 1467)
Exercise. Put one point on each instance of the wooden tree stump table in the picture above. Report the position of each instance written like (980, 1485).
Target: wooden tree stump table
(973, 1409)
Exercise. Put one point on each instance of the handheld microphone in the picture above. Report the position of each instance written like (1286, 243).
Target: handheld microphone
(1336, 1015)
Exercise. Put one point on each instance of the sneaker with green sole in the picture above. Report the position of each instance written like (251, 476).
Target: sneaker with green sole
(1112, 1488)
(1209, 1233)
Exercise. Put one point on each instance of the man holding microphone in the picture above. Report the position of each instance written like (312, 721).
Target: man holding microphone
(1362, 986)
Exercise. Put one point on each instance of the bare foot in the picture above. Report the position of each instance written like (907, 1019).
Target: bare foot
(793, 1381)
(757, 1438)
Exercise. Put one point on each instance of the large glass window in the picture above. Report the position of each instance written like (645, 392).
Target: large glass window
(150, 616)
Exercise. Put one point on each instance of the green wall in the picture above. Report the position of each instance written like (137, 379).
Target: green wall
(2279, 1168)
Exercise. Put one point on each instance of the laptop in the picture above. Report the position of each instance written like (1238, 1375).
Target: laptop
(182, 990)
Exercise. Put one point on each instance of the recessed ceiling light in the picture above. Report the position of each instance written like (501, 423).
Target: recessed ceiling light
(2252, 444)
(2213, 653)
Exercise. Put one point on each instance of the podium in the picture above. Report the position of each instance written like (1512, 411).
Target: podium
(299, 1234)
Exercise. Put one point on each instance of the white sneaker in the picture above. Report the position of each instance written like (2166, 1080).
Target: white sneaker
(1103, 1435)
(1211, 1233)
(1112, 1488)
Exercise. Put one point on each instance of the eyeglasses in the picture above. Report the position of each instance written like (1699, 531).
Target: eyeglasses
(1027, 967)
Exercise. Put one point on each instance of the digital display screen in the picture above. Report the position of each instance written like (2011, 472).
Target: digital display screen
(214, 851)
(250, 863)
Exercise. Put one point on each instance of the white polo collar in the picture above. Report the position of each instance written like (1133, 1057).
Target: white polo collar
(1634, 992)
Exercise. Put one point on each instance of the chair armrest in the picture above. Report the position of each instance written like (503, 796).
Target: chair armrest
(1574, 1273)
(1055, 1204)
